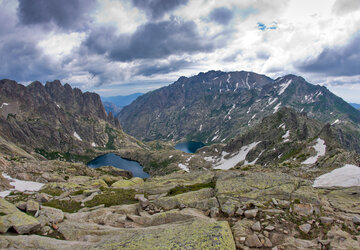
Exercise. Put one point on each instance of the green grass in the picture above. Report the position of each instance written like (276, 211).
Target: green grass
(78, 192)
(52, 191)
(110, 132)
(195, 187)
(63, 156)
(160, 164)
(291, 154)
(66, 206)
(111, 197)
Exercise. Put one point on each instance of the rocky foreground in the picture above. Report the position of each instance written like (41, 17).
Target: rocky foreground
(106, 208)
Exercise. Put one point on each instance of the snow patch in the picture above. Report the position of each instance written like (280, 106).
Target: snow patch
(346, 176)
(335, 122)
(76, 135)
(210, 158)
(188, 159)
(248, 111)
(286, 136)
(21, 186)
(320, 149)
(254, 161)
(247, 80)
(4, 104)
(272, 101)
(228, 79)
(237, 86)
(215, 137)
(184, 167)
(284, 86)
(232, 108)
(282, 125)
(276, 108)
(233, 161)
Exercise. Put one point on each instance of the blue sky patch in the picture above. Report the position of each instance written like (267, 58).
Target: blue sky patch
(262, 26)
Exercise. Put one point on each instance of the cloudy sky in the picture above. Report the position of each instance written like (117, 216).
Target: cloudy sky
(118, 47)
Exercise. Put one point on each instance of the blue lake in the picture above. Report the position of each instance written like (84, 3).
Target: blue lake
(189, 147)
(118, 162)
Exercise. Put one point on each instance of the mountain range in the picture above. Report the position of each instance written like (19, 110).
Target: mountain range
(114, 104)
(268, 184)
(355, 105)
(215, 106)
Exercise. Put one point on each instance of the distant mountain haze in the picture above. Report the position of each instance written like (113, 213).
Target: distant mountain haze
(115, 103)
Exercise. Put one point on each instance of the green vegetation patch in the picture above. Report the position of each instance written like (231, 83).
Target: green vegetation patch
(67, 206)
(291, 154)
(195, 187)
(63, 156)
(78, 192)
(111, 197)
(111, 134)
(52, 191)
(15, 197)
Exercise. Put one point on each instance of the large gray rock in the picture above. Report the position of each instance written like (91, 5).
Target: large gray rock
(190, 234)
(251, 214)
(256, 187)
(189, 199)
(32, 207)
(11, 217)
(253, 241)
(305, 228)
(50, 215)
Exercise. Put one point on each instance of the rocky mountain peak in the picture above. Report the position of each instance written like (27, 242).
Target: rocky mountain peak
(215, 106)
(53, 116)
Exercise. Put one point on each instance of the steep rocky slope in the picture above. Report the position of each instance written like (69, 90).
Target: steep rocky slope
(285, 138)
(215, 106)
(55, 119)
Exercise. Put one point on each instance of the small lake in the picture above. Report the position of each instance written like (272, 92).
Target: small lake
(119, 162)
(189, 147)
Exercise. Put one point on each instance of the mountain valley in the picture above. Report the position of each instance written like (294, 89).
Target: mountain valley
(286, 179)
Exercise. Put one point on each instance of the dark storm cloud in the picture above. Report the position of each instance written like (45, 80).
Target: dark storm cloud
(151, 40)
(66, 14)
(221, 15)
(156, 9)
(22, 61)
(337, 61)
(152, 68)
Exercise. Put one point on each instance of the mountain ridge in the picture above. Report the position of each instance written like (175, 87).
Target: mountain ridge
(215, 106)
(56, 118)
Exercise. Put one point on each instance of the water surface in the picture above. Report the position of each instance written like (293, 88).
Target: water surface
(189, 146)
(119, 162)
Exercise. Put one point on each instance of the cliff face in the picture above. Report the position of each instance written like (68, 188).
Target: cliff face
(55, 117)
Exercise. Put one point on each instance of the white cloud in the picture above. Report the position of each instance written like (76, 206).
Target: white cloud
(303, 29)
